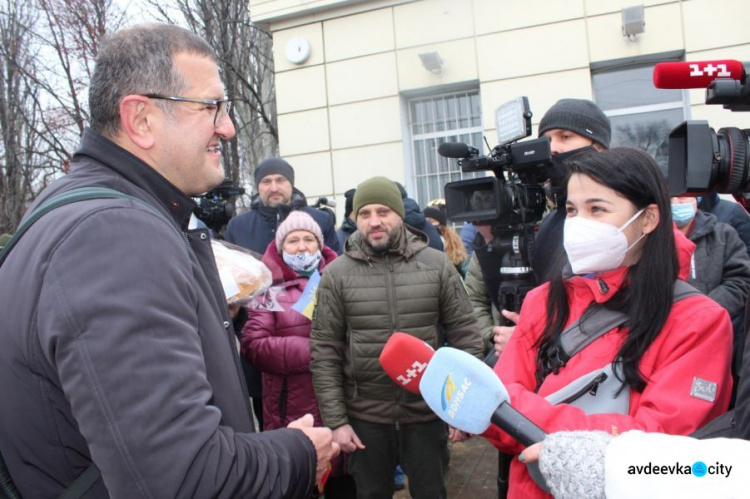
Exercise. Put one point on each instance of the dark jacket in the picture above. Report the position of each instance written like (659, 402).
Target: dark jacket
(414, 217)
(117, 346)
(346, 229)
(720, 267)
(362, 300)
(729, 213)
(278, 345)
(548, 249)
(255, 228)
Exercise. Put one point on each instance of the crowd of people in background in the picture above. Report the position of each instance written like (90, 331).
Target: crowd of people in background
(132, 377)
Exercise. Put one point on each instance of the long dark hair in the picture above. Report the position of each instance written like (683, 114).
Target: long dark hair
(646, 297)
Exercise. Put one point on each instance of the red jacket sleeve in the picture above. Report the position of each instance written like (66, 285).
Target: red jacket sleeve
(696, 342)
(272, 353)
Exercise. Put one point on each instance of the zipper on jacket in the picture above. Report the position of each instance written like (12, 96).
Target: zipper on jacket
(591, 387)
(389, 292)
(282, 400)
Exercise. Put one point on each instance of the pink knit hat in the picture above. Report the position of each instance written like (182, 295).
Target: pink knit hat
(298, 220)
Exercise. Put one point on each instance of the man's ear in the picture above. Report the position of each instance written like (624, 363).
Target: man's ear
(136, 118)
(650, 218)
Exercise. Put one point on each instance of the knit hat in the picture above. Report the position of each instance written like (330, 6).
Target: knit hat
(437, 214)
(298, 220)
(349, 195)
(580, 116)
(272, 166)
(378, 190)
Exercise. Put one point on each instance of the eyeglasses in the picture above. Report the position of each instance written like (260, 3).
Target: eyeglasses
(222, 106)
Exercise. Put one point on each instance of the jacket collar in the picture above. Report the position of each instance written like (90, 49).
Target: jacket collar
(409, 242)
(600, 287)
(114, 157)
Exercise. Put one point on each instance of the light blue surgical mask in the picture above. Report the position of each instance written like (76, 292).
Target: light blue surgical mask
(683, 213)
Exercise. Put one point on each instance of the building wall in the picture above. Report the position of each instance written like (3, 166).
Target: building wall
(342, 116)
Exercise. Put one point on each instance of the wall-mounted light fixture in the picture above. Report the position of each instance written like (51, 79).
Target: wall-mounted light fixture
(432, 61)
(633, 21)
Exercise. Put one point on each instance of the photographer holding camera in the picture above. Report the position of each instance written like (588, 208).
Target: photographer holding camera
(573, 126)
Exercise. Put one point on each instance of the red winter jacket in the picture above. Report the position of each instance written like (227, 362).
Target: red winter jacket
(696, 342)
(278, 345)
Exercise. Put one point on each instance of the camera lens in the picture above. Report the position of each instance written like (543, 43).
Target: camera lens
(732, 160)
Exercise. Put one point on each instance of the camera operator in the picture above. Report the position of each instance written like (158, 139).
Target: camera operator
(574, 126)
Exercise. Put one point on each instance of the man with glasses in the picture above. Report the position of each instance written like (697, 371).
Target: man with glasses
(119, 373)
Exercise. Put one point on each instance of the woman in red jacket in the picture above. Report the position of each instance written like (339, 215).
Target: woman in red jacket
(277, 343)
(669, 362)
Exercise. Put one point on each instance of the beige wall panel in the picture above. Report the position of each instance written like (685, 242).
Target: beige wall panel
(313, 33)
(663, 33)
(432, 21)
(302, 133)
(301, 90)
(716, 23)
(352, 166)
(543, 49)
(542, 90)
(345, 38)
(597, 7)
(312, 174)
(262, 10)
(365, 123)
(718, 117)
(460, 65)
(491, 16)
(364, 78)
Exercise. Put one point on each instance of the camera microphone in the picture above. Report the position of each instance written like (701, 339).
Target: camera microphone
(457, 150)
(699, 74)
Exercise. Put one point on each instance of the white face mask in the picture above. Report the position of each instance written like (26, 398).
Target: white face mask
(302, 262)
(594, 246)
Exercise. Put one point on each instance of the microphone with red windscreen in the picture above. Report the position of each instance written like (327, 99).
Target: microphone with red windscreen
(404, 359)
(697, 74)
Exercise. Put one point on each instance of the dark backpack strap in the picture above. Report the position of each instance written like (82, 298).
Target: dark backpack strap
(83, 483)
(7, 487)
(594, 323)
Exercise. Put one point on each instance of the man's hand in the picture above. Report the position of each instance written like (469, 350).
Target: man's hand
(345, 437)
(455, 435)
(322, 438)
(234, 309)
(501, 334)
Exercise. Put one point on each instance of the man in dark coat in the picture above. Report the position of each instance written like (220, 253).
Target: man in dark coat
(118, 357)
(276, 198)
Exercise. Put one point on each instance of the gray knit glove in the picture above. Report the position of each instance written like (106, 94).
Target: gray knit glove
(572, 463)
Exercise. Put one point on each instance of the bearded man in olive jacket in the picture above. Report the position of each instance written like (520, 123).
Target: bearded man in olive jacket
(387, 280)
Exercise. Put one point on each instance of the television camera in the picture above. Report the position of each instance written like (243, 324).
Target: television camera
(701, 159)
(214, 207)
(512, 201)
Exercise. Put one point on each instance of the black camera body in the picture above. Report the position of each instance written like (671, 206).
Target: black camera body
(701, 159)
(513, 202)
(519, 198)
(214, 207)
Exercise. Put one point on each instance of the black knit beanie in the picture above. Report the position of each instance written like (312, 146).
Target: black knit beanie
(437, 214)
(349, 195)
(378, 190)
(272, 166)
(580, 116)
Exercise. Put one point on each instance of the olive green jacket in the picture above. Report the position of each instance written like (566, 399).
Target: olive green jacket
(363, 298)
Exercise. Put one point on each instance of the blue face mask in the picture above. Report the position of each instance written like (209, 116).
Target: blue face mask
(682, 213)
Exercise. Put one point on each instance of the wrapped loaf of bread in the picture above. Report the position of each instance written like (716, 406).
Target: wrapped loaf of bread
(242, 274)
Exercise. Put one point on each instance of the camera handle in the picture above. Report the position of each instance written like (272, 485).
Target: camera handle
(508, 277)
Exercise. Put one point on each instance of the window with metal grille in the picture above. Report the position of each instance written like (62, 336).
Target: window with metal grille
(454, 117)
(642, 116)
